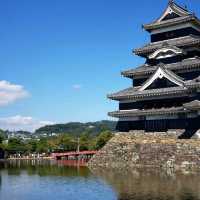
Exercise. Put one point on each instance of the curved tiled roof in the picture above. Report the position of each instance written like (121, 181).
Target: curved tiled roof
(174, 21)
(185, 41)
(139, 113)
(133, 93)
(193, 105)
(143, 70)
(172, 7)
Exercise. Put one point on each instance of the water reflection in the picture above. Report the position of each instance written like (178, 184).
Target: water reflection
(33, 180)
(150, 184)
(45, 168)
(73, 181)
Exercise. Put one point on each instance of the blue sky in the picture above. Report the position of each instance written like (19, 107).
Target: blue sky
(63, 56)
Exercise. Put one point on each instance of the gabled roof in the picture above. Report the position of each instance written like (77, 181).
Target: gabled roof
(136, 93)
(172, 15)
(175, 9)
(186, 64)
(160, 73)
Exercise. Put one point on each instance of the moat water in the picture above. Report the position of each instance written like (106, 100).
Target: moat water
(36, 180)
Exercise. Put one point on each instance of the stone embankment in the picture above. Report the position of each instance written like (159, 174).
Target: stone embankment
(139, 149)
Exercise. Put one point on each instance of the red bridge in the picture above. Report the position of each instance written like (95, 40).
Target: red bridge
(74, 155)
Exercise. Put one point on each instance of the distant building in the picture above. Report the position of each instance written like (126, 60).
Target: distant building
(19, 134)
(166, 89)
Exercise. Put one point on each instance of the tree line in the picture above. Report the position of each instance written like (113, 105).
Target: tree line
(60, 143)
(77, 128)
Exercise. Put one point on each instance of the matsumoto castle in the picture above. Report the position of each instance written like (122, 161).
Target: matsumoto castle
(165, 93)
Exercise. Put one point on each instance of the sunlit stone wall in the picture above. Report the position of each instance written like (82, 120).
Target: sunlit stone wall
(139, 149)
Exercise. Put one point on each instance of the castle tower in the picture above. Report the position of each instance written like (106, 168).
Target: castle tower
(166, 89)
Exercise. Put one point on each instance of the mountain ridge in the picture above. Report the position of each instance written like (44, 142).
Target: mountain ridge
(78, 128)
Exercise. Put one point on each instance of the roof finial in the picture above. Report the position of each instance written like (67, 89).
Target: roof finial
(142, 27)
(171, 2)
(186, 7)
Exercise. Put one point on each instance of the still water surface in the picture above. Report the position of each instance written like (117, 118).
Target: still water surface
(49, 180)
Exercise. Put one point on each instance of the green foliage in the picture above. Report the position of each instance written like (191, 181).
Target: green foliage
(67, 143)
(42, 146)
(16, 145)
(76, 129)
(84, 141)
(86, 138)
(32, 146)
(2, 137)
(102, 139)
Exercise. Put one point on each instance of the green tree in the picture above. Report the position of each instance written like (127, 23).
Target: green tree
(53, 143)
(1, 138)
(16, 145)
(31, 146)
(67, 143)
(85, 141)
(102, 139)
(42, 146)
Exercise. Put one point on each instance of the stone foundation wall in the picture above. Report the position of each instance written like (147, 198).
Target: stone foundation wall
(139, 149)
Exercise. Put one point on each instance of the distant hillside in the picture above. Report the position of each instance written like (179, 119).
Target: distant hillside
(2, 133)
(77, 128)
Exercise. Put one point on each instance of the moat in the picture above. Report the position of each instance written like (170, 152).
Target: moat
(33, 180)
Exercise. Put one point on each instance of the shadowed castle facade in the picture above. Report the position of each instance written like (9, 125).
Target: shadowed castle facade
(166, 90)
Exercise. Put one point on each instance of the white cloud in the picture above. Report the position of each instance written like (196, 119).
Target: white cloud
(77, 86)
(19, 122)
(10, 93)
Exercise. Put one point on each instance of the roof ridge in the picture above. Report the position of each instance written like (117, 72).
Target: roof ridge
(173, 2)
(153, 25)
(172, 7)
(134, 90)
(180, 41)
(171, 73)
(183, 63)
(169, 20)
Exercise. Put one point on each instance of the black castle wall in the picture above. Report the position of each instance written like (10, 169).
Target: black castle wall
(158, 103)
(174, 34)
(159, 125)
